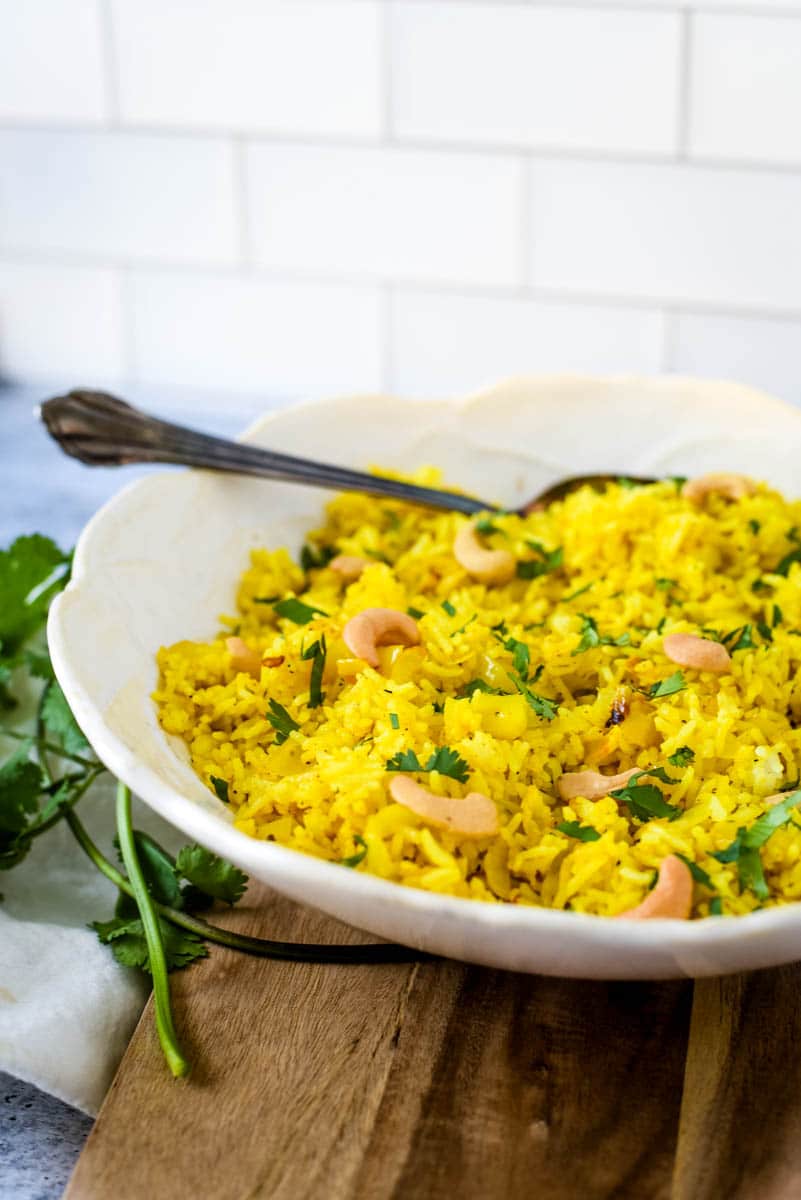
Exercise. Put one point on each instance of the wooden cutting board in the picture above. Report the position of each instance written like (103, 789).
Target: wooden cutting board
(438, 1079)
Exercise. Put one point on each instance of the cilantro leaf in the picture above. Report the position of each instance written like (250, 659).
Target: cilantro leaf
(281, 722)
(126, 937)
(580, 592)
(394, 720)
(741, 639)
(448, 762)
(444, 760)
(21, 782)
(698, 873)
(158, 868)
(541, 705)
(295, 610)
(449, 609)
(316, 652)
(716, 907)
(682, 758)
(783, 567)
(210, 874)
(667, 687)
(404, 760)
(312, 557)
(32, 570)
(353, 860)
(645, 801)
(754, 526)
(744, 850)
(59, 721)
(415, 612)
(665, 585)
(485, 525)
(521, 657)
(221, 788)
(549, 560)
(481, 685)
(574, 829)
(590, 637)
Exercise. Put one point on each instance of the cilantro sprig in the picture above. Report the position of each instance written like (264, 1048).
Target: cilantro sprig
(644, 800)
(444, 760)
(156, 926)
(744, 850)
(591, 638)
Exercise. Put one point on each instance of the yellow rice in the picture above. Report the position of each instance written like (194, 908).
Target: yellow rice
(652, 563)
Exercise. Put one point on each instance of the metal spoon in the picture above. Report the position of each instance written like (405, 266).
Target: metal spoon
(103, 431)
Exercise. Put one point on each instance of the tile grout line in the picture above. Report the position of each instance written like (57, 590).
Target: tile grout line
(111, 71)
(685, 86)
(386, 66)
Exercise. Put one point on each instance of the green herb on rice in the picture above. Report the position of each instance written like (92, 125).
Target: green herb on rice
(583, 833)
(682, 758)
(444, 760)
(354, 860)
(744, 850)
(316, 653)
(295, 610)
(220, 787)
(591, 638)
(546, 562)
(281, 721)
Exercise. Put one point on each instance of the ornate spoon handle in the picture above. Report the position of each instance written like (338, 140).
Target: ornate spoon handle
(101, 430)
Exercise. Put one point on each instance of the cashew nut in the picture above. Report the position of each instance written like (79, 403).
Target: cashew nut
(733, 487)
(672, 896)
(702, 654)
(487, 566)
(379, 627)
(591, 785)
(349, 566)
(473, 816)
(243, 658)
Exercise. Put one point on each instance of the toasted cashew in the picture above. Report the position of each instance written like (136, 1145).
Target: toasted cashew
(473, 816)
(672, 896)
(733, 487)
(591, 785)
(242, 657)
(487, 566)
(700, 653)
(349, 566)
(379, 627)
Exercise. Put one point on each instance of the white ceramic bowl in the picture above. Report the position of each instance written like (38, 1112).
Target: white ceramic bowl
(161, 560)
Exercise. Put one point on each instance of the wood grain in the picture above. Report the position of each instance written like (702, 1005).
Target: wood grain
(398, 1081)
(740, 1131)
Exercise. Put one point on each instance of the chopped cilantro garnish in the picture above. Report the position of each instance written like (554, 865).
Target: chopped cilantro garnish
(316, 652)
(221, 788)
(744, 850)
(414, 612)
(443, 760)
(281, 722)
(740, 638)
(698, 873)
(574, 829)
(765, 630)
(462, 628)
(682, 758)
(264, 600)
(480, 685)
(778, 616)
(354, 859)
(295, 610)
(549, 560)
(755, 526)
(783, 568)
(520, 656)
(393, 720)
(541, 705)
(626, 483)
(716, 907)
(665, 687)
(449, 609)
(644, 800)
(580, 592)
(665, 585)
(316, 556)
(485, 525)
(590, 637)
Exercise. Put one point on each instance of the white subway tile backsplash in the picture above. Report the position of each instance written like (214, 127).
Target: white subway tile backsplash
(717, 236)
(292, 66)
(764, 353)
(444, 344)
(51, 61)
(253, 335)
(116, 195)
(380, 213)
(746, 87)
(58, 321)
(572, 78)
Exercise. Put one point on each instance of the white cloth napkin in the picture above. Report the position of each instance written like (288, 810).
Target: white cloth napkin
(67, 1009)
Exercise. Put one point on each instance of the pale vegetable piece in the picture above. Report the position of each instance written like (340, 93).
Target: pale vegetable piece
(702, 654)
(672, 896)
(376, 627)
(591, 785)
(243, 658)
(487, 566)
(349, 566)
(733, 487)
(474, 816)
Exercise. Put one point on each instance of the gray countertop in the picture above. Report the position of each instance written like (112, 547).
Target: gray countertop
(45, 492)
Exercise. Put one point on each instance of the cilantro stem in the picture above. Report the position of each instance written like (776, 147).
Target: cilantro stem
(152, 929)
(41, 745)
(261, 947)
(49, 747)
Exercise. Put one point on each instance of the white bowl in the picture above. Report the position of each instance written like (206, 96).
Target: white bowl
(161, 560)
